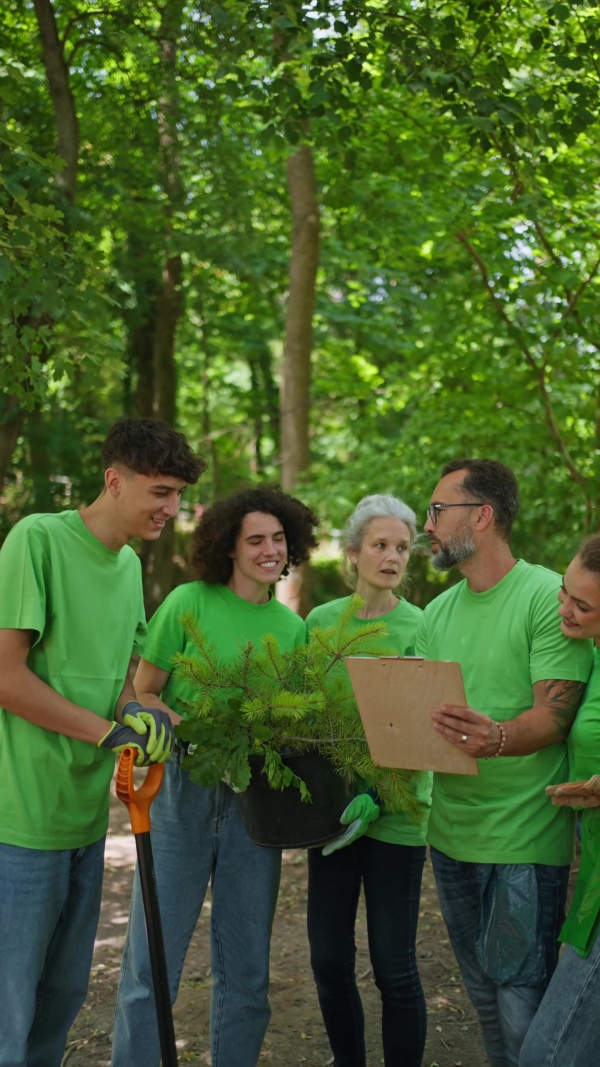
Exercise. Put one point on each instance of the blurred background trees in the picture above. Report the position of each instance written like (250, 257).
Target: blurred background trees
(336, 243)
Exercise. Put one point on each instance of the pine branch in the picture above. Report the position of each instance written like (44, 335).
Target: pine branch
(262, 701)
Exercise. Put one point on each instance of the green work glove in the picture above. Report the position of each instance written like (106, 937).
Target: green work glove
(156, 720)
(141, 733)
(357, 816)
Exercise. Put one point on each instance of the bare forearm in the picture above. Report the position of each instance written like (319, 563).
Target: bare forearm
(531, 731)
(152, 700)
(127, 694)
(547, 723)
(23, 693)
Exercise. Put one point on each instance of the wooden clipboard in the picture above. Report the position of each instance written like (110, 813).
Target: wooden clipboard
(395, 697)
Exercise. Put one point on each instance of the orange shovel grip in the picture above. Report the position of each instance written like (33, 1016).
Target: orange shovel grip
(139, 800)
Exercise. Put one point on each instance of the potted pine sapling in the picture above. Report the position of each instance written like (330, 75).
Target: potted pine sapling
(283, 730)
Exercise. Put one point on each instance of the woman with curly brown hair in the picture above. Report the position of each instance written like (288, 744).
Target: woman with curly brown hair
(241, 546)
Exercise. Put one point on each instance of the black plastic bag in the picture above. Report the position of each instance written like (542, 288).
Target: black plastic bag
(508, 933)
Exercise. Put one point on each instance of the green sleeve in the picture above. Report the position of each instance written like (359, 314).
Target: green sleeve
(421, 644)
(312, 619)
(25, 572)
(552, 655)
(301, 635)
(166, 635)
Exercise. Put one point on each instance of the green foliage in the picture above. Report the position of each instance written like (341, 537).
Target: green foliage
(266, 702)
(50, 285)
(326, 581)
(457, 303)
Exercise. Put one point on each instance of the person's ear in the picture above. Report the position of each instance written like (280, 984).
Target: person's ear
(353, 556)
(113, 480)
(485, 517)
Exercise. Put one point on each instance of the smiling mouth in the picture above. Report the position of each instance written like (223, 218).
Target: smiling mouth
(270, 565)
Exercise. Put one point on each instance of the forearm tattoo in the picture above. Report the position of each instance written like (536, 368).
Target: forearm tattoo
(563, 699)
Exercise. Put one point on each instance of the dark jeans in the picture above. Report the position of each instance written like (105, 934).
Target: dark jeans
(505, 1011)
(391, 877)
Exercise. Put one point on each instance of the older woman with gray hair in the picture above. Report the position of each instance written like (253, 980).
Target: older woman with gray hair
(387, 860)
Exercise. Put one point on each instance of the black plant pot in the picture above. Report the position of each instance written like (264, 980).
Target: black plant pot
(280, 819)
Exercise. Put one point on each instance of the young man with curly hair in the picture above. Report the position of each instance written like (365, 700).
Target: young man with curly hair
(241, 547)
(71, 614)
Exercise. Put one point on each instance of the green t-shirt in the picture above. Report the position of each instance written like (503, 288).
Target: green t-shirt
(583, 920)
(402, 622)
(228, 621)
(85, 604)
(505, 640)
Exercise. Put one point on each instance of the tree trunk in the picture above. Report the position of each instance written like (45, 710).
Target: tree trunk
(43, 488)
(65, 116)
(157, 556)
(295, 374)
(13, 417)
(142, 267)
(141, 351)
(210, 443)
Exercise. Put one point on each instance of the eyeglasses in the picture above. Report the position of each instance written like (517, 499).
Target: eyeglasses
(433, 509)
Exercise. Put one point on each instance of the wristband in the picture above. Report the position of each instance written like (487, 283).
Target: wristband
(498, 751)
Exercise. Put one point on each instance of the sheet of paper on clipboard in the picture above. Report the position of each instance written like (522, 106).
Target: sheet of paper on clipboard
(395, 697)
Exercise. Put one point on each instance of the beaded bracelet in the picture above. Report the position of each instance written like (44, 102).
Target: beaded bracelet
(498, 751)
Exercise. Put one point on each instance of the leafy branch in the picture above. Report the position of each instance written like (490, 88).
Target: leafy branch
(537, 367)
(265, 702)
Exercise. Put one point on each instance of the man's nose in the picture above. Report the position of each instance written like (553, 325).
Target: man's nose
(428, 527)
(171, 506)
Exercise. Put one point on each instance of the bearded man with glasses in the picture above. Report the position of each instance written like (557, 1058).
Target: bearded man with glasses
(500, 851)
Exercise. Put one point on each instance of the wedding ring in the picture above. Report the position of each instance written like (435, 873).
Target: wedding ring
(464, 739)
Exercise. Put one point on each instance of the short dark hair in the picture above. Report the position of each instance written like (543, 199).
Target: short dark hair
(589, 554)
(216, 534)
(493, 483)
(151, 446)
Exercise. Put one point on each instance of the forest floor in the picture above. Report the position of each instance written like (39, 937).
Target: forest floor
(296, 1034)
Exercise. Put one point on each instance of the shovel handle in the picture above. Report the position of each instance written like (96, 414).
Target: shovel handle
(138, 801)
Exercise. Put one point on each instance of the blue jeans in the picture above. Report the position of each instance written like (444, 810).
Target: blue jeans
(49, 908)
(566, 1030)
(391, 878)
(505, 1011)
(197, 836)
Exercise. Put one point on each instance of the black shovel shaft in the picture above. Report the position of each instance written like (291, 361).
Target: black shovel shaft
(162, 997)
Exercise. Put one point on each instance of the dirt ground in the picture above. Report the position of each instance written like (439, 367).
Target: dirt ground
(296, 1034)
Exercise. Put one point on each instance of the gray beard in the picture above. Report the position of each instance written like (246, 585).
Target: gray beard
(454, 552)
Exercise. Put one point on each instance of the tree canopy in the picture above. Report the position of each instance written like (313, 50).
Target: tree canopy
(147, 246)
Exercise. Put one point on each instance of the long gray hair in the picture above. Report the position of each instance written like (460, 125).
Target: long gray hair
(378, 506)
